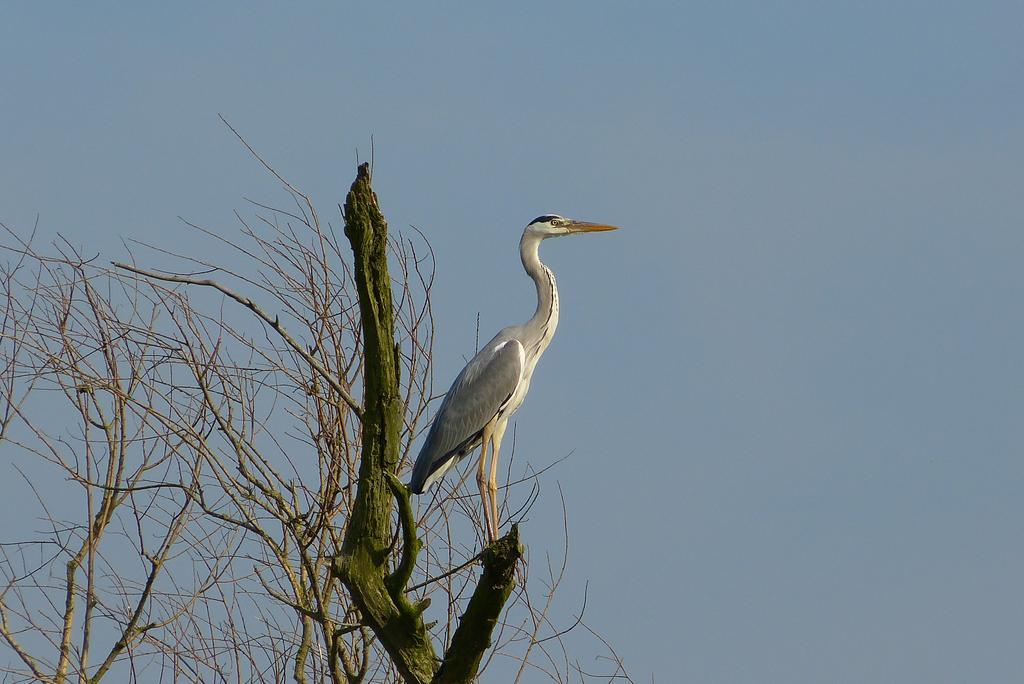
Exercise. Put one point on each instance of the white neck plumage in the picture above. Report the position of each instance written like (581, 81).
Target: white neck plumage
(545, 318)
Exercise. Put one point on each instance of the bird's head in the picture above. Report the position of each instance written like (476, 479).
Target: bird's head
(553, 225)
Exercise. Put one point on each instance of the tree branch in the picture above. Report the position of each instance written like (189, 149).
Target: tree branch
(363, 565)
(274, 323)
(473, 636)
(5, 632)
(410, 543)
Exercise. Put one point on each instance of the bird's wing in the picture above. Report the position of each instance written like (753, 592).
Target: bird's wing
(476, 396)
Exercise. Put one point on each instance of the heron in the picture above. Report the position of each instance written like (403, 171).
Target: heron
(493, 385)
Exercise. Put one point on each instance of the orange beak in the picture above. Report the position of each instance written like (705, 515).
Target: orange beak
(587, 227)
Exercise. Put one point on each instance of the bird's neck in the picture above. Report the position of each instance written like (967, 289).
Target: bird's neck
(545, 318)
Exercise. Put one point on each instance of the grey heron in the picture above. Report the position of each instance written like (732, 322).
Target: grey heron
(476, 409)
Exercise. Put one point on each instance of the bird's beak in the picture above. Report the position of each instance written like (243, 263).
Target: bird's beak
(587, 227)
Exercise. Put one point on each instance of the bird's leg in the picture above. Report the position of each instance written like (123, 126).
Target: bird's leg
(492, 484)
(481, 482)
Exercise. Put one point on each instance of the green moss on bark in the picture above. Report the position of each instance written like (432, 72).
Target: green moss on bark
(473, 636)
(363, 563)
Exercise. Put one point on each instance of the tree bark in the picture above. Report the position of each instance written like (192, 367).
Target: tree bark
(363, 562)
(473, 636)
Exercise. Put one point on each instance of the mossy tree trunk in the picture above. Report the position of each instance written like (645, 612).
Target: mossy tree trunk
(473, 636)
(364, 562)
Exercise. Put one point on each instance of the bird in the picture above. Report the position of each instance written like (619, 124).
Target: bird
(492, 386)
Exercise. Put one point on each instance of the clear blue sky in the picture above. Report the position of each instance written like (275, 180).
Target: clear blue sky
(791, 385)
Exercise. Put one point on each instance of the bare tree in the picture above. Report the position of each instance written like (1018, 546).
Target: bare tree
(215, 453)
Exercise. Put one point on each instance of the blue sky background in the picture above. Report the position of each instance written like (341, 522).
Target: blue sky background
(792, 383)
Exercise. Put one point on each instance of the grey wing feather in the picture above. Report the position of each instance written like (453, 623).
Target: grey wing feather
(476, 396)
